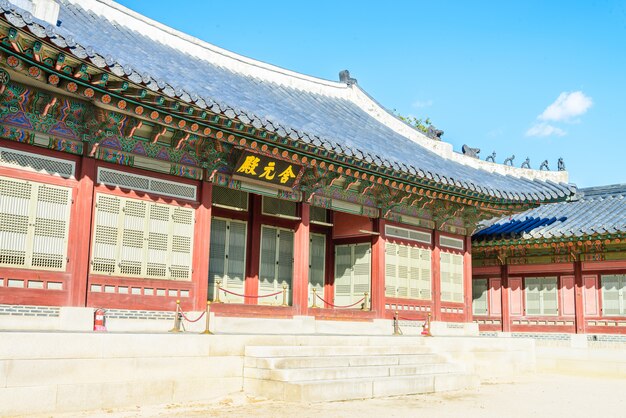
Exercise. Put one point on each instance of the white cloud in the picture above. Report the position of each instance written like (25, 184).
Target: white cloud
(567, 106)
(544, 129)
(418, 104)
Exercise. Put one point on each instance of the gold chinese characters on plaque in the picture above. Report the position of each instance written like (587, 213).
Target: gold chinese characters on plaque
(267, 170)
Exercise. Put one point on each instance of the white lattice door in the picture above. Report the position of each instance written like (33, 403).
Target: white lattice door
(34, 224)
(317, 266)
(276, 263)
(391, 269)
(451, 277)
(227, 258)
(352, 273)
(421, 280)
(137, 238)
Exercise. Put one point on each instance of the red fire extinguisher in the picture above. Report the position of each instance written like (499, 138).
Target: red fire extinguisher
(99, 320)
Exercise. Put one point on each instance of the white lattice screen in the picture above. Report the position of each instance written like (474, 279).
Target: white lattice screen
(230, 198)
(352, 272)
(146, 184)
(541, 295)
(227, 258)
(409, 234)
(614, 294)
(451, 277)
(138, 238)
(407, 271)
(480, 288)
(37, 163)
(276, 263)
(34, 224)
(450, 242)
(273, 206)
(317, 265)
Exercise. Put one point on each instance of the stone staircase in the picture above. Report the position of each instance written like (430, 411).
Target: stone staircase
(340, 372)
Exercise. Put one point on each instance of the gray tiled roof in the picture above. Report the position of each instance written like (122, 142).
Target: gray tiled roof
(597, 211)
(330, 122)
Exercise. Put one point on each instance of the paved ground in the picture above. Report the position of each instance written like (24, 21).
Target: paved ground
(538, 395)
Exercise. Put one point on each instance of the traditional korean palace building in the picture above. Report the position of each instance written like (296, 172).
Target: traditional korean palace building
(140, 166)
(558, 268)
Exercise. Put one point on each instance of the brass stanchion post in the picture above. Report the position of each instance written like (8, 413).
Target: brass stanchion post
(284, 294)
(366, 302)
(314, 297)
(208, 318)
(218, 283)
(396, 324)
(177, 318)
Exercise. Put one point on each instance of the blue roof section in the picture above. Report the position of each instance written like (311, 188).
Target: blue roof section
(597, 211)
(335, 123)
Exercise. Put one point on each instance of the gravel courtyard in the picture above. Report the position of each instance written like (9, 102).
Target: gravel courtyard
(533, 395)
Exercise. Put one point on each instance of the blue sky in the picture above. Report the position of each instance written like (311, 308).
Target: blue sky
(537, 79)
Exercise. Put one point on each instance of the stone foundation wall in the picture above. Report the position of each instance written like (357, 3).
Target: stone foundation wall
(54, 372)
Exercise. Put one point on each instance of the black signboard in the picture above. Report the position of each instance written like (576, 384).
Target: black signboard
(267, 170)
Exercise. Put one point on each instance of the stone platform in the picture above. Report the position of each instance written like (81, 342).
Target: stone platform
(53, 372)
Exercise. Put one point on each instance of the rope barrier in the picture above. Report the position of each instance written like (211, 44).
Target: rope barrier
(192, 320)
(339, 306)
(250, 296)
(179, 316)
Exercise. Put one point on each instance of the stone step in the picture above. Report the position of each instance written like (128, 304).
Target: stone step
(358, 388)
(324, 350)
(333, 373)
(300, 362)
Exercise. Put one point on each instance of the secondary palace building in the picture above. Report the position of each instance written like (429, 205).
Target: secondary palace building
(557, 268)
(140, 166)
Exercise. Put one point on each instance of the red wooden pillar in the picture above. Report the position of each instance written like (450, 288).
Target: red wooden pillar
(467, 279)
(202, 238)
(378, 269)
(506, 292)
(81, 230)
(436, 283)
(329, 279)
(253, 254)
(300, 282)
(579, 307)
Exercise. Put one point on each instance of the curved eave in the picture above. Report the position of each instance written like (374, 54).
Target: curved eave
(248, 126)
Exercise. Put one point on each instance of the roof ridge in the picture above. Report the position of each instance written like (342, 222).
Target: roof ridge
(603, 191)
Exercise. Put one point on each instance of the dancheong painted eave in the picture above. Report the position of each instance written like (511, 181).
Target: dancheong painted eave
(595, 213)
(338, 118)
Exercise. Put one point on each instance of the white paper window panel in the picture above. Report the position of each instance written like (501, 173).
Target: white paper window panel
(137, 238)
(541, 295)
(408, 234)
(407, 272)
(317, 266)
(451, 270)
(227, 258)
(276, 263)
(37, 163)
(318, 214)
(480, 288)
(450, 242)
(274, 206)
(613, 294)
(34, 224)
(146, 184)
(352, 272)
(230, 198)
